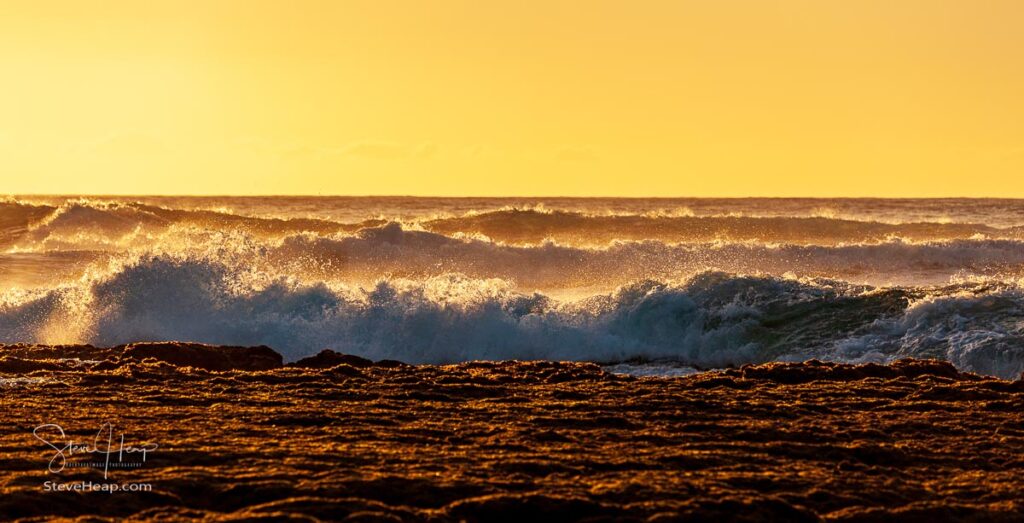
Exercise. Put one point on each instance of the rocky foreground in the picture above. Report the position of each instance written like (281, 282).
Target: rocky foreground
(242, 437)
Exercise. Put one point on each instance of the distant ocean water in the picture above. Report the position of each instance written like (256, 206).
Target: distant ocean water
(649, 285)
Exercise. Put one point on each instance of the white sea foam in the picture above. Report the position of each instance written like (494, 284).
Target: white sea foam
(711, 320)
(457, 280)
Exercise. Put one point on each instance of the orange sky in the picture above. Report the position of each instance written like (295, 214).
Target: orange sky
(638, 98)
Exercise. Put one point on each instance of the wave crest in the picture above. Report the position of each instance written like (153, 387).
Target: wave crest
(711, 320)
(526, 226)
(81, 224)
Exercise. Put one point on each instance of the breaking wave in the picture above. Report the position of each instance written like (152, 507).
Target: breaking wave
(112, 225)
(531, 226)
(393, 251)
(712, 319)
(703, 284)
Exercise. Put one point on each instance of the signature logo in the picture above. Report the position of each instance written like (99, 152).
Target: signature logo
(105, 451)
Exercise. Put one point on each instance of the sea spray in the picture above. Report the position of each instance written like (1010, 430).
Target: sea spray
(711, 320)
(703, 283)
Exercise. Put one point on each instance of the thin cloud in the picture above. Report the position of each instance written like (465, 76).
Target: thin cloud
(371, 149)
(576, 153)
(380, 150)
(126, 142)
(377, 150)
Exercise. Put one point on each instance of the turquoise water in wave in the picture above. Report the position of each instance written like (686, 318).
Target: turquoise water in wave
(684, 283)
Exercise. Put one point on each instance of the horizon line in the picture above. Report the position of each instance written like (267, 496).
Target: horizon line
(103, 195)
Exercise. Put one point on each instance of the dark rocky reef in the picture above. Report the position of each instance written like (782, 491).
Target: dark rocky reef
(336, 437)
(22, 358)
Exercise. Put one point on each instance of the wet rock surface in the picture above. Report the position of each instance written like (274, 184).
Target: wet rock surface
(243, 437)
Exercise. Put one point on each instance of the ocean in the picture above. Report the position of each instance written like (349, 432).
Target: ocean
(643, 286)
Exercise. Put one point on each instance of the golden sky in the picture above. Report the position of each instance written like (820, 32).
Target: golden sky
(530, 97)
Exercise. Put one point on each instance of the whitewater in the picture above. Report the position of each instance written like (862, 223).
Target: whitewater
(648, 286)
